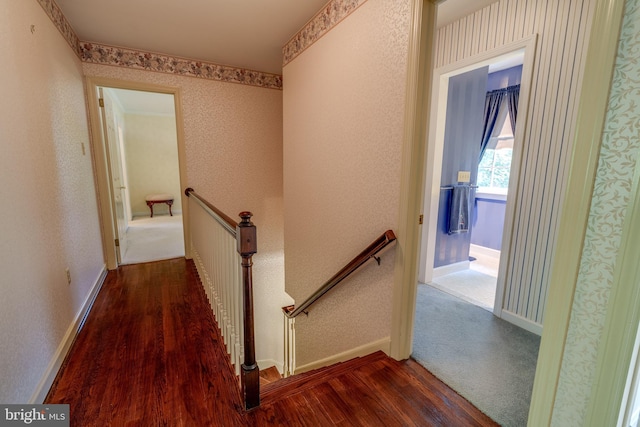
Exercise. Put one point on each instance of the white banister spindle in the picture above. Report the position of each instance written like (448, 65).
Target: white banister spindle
(289, 346)
(239, 318)
(218, 263)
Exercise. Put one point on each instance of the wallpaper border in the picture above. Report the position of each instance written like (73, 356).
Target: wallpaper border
(54, 13)
(327, 18)
(130, 58)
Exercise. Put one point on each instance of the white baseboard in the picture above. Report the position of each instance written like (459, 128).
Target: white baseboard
(522, 322)
(49, 376)
(267, 363)
(382, 344)
(451, 268)
(483, 250)
(147, 214)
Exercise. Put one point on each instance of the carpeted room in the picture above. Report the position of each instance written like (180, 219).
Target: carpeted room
(487, 360)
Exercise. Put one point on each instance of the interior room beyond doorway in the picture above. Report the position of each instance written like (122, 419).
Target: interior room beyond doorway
(146, 140)
(486, 359)
(477, 159)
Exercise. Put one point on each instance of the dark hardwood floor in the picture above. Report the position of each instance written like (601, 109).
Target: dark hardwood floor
(150, 354)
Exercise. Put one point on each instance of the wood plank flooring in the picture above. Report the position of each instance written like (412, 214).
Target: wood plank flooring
(150, 354)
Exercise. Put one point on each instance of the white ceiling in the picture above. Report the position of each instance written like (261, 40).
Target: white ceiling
(452, 10)
(240, 33)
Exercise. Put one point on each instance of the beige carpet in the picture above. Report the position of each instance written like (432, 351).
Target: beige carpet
(154, 239)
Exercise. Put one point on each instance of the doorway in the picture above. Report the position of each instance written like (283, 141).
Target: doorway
(482, 251)
(478, 145)
(139, 155)
(488, 360)
(146, 142)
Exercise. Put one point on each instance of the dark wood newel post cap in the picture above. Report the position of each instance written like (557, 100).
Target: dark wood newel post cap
(247, 243)
(246, 217)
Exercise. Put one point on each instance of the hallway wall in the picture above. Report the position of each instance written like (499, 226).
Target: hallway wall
(50, 217)
(344, 103)
(151, 148)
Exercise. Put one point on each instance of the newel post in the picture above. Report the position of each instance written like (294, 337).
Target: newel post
(247, 246)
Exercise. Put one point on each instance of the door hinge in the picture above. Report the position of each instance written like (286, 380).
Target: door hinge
(101, 102)
(420, 219)
(117, 242)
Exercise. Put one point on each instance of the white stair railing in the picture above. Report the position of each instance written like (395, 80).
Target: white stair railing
(222, 251)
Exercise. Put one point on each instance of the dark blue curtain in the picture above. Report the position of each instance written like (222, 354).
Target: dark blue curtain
(492, 106)
(513, 95)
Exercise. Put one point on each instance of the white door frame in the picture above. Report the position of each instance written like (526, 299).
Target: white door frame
(114, 169)
(435, 149)
(99, 153)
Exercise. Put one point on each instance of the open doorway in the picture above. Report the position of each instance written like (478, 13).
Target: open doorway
(463, 152)
(472, 170)
(139, 157)
(145, 156)
(474, 184)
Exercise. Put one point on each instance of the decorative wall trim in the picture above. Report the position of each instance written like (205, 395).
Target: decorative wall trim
(60, 21)
(327, 18)
(129, 58)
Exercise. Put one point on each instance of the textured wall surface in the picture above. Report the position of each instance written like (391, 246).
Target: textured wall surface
(233, 143)
(151, 151)
(617, 164)
(50, 218)
(343, 126)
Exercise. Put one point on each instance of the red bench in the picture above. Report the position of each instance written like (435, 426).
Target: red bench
(159, 198)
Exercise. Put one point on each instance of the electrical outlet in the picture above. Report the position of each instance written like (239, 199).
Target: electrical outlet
(68, 275)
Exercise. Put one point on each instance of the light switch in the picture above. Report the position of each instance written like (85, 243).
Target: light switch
(464, 176)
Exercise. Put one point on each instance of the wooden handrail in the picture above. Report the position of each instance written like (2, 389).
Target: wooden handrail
(245, 236)
(370, 252)
(224, 220)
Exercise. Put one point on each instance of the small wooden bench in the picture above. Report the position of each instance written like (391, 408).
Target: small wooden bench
(152, 199)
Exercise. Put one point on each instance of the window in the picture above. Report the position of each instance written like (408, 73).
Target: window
(495, 165)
